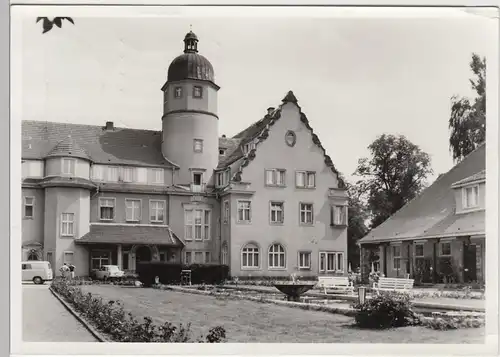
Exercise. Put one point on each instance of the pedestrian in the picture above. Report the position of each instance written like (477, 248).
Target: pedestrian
(64, 270)
(72, 271)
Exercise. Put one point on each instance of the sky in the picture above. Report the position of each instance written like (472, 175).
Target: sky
(354, 77)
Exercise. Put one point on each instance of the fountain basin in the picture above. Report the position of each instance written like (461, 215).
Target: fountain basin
(293, 291)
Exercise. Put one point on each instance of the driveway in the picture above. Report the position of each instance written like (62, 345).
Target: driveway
(45, 319)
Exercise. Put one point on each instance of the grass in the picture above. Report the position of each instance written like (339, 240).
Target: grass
(248, 321)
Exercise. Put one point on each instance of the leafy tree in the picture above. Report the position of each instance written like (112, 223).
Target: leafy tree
(357, 228)
(395, 174)
(467, 122)
(49, 24)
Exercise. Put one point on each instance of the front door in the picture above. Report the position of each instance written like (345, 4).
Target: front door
(469, 263)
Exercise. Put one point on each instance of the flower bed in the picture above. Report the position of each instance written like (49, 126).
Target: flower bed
(112, 320)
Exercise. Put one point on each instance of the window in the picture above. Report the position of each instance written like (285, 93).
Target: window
(197, 92)
(222, 152)
(224, 255)
(29, 207)
(26, 266)
(187, 258)
(396, 257)
(339, 216)
(304, 260)
(305, 179)
(112, 173)
(197, 224)
(67, 224)
(198, 257)
(222, 178)
(98, 172)
(419, 250)
(250, 257)
(197, 184)
(132, 210)
(162, 256)
(331, 262)
(142, 175)
(248, 147)
(68, 166)
(32, 168)
(276, 257)
(106, 209)
(158, 176)
(471, 196)
(244, 212)
(277, 212)
(178, 92)
(68, 258)
(207, 257)
(128, 174)
(306, 213)
(226, 211)
(100, 258)
(444, 249)
(198, 145)
(157, 211)
(290, 138)
(275, 177)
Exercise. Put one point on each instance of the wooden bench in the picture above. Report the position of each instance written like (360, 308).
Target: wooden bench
(333, 284)
(393, 284)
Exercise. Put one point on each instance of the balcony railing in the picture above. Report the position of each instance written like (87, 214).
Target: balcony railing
(198, 188)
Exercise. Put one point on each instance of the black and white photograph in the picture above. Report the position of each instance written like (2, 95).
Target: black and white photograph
(284, 175)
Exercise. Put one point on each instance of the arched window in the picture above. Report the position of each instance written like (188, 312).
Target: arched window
(277, 257)
(250, 256)
(224, 260)
(32, 255)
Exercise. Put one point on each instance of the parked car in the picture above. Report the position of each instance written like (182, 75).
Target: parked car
(36, 271)
(109, 272)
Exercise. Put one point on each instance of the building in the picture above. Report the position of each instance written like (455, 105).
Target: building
(439, 236)
(266, 202)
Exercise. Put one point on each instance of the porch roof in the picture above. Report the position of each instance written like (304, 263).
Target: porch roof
(130, 234)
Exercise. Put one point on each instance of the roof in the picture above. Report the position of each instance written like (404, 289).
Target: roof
(119, 146)
(432, 213)
(260, 131)
(129, 234)
(480, 176)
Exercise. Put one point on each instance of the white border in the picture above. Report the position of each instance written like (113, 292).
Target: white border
(250, 349)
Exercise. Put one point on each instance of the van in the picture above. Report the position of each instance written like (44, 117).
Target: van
(36, 271)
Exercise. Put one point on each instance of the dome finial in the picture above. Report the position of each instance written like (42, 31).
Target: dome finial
(190, 41)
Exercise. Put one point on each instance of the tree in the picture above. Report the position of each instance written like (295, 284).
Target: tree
(357, 228)
(394, 175)
(48, 24)
(467, 122)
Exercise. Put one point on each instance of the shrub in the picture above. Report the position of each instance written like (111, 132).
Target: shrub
(111, 319)
(453, 323)
(385, 311)
(208, 273)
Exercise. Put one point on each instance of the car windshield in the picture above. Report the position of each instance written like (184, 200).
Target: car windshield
(113, 268)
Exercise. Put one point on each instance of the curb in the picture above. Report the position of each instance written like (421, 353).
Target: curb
(80, 318)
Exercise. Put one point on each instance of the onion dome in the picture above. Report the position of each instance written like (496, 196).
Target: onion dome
(190, 65)
(68, 148)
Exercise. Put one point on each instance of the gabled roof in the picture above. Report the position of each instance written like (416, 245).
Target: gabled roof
(260, 131)
(119, 146)
(432, 213)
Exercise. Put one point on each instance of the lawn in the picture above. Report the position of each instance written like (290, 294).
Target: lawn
(248, 321)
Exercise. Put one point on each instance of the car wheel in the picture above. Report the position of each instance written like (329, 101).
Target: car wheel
(37, 280)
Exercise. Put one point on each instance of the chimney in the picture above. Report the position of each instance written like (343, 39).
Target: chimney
(270, 110)
(223, 135)
(109, 125)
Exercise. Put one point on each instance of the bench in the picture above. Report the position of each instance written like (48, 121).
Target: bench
(331, 284)
(393, 284)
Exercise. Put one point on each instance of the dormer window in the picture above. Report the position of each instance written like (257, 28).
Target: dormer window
(470, 196)
(197, 92)
(222, 178)
(222, 152)
(178, 92)
(248, 147)
(68, 167)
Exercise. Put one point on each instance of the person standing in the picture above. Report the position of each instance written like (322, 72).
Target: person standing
(64, 270)
(72, 271)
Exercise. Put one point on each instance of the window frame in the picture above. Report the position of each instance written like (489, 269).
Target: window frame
(139, 218)
(72, 162)
(69, 223)
(333, 216)
(178, 92)
(256, 247)
(415, 250)
(224, 259)
(279, 253)
(305, 223)
(226, 212)
(110, 169)
(243, 221)
(465, 202)
(200, 142)
(71, 253)
(396, 258)
(193, 224)
(441, 254)
(155, 171)
(337, 257)
(282, 205)
(113, 199)
(32, 205)
(306, 174)
(275, 174)
(200, 91)
(300, 266)
(133, 174)
(164, 202)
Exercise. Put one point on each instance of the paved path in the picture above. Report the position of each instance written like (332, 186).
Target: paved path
(45, 319)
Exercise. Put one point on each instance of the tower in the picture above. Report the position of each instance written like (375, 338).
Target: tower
(190, 126)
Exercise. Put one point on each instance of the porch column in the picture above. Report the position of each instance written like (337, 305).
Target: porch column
(364, 263)
(119, 256)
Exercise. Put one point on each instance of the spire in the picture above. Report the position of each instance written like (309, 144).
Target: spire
(190, 42)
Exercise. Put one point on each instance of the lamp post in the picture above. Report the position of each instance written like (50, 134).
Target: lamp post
(361, 294)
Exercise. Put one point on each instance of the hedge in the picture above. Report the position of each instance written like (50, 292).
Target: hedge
(170, 274)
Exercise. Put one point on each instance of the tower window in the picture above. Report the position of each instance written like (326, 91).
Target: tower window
(178, 92)
(197, 92)
(198, 145)
(197, 178)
